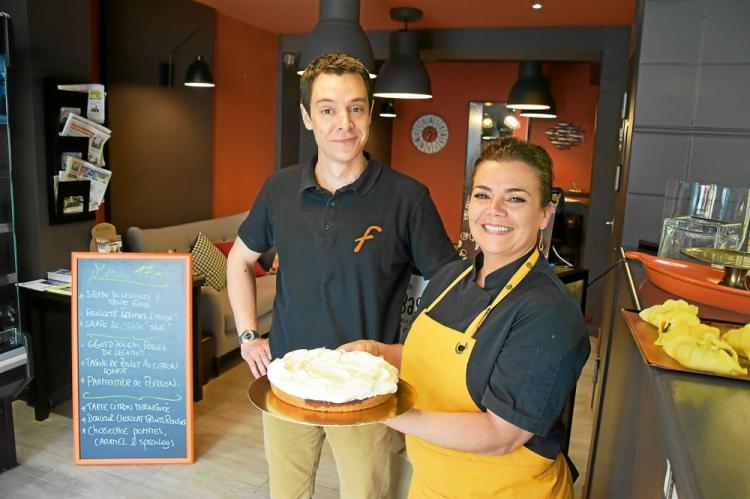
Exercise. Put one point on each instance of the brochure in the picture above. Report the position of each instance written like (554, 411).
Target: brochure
(64, 288)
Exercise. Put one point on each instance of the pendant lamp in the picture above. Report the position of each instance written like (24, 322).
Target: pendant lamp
(403, 76)
(541, 113)
(387, 110)
(531, 90)
(338, 30)
(199, 74)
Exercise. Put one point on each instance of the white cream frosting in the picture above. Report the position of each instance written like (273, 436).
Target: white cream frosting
(333, 375)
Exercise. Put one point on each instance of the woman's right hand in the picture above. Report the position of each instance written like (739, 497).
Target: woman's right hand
(257, 354)
(369, 346)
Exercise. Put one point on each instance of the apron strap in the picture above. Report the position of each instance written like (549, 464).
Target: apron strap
(572, 467)
(520, 274)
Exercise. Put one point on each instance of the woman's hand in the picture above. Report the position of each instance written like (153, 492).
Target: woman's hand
(369, 346)
(391, 353)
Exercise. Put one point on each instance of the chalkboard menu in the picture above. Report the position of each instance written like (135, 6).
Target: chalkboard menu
(132, 368)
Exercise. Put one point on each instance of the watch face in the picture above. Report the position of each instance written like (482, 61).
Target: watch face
(429, 133)
(248, 336)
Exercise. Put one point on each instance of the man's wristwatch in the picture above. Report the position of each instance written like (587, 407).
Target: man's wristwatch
(248, 335)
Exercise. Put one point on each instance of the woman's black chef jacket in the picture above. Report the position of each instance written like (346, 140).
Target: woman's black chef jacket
(530, 350)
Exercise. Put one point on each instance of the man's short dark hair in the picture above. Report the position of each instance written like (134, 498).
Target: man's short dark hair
(334, 63)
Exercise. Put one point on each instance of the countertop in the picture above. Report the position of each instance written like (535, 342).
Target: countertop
(705, 421)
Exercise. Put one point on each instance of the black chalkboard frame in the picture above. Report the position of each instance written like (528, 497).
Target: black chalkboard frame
(148, 259)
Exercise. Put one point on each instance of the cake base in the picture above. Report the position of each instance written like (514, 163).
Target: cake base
(322, 406)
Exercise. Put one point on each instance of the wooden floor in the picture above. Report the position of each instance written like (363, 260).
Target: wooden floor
(229, 453)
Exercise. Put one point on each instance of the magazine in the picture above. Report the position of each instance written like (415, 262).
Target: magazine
(39, 284)
(78, 126)
(62, 275)
(78, 169)
(96, 95)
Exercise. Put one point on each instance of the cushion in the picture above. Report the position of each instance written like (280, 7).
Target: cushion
(226, 246)
(208, 260)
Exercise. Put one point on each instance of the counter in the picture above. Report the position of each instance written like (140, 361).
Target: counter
(649, 421)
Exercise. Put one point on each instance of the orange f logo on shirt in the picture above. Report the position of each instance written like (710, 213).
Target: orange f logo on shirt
(366, 236)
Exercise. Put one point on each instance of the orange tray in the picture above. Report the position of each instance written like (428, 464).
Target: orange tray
(692, 281)
(262, 397)
(645, 334)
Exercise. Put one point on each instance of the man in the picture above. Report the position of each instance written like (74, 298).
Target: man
(348, 232)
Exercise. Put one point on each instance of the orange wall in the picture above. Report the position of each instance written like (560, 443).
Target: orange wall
(575, 98)
(454, 85)
(244, 70)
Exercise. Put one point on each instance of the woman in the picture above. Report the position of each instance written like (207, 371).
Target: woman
(496, 350)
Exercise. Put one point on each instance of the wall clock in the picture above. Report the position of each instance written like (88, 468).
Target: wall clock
(429, 133)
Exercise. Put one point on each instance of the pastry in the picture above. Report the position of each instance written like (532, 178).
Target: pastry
(332, 380)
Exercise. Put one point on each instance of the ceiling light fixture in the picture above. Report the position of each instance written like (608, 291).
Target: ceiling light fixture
(540, 113)
(487, 121)
(387, 110)
(403, 75)
(338, 30)
(531, 90)
(536, 6)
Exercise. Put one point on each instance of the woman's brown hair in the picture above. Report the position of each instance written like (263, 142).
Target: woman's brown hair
(513, 149)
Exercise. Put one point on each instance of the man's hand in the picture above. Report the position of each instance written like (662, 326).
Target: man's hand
(257, 354)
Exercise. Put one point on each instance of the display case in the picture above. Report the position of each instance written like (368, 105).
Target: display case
(15, 371)
(10, 336)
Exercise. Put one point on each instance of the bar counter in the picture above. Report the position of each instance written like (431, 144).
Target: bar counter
(658, 429)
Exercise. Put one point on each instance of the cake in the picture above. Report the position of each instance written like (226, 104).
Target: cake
(332, 380)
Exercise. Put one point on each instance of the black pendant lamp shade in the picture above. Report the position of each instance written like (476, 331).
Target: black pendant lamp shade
(403, 76)
(199, 74)
(387, 110)
(531, 91)
(338, 30)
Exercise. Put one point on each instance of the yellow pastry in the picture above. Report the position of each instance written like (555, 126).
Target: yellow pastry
(739, 339)
(704, 354)
(672, 312)
(698, 331)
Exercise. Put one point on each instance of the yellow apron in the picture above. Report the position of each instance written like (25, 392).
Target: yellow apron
(435, 359)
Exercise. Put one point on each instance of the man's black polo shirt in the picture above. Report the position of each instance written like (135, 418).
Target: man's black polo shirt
(345, 258)
(530, 349)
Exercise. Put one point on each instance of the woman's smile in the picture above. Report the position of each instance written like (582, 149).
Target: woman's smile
(496, 229)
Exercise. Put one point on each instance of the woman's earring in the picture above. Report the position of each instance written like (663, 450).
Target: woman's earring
(540, 240)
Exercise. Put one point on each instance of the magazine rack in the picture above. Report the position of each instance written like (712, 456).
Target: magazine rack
(65, 208)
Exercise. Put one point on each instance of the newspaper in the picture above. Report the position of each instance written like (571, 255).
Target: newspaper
(78, 169)
(78, 126)
(95, 106)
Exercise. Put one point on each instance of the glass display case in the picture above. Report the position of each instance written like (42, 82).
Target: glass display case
(14, 365)
(9, 336)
